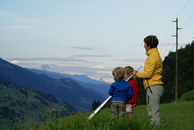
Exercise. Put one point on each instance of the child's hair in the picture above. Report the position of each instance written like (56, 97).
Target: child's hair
(151, 41)
(128, 72)
(118, 73)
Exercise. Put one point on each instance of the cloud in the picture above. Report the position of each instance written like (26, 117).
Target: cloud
(74, 73)
(60, 62)
(108, 80)
(83, 48)
(105, 72)
(132, 59)
(46, 59)
(81, 69)
(65, 65)
(97, 67)
(10, 17)
(14, 62)
(6, 14)
(97, 55)
(16, 27)
(87, 68)
(12, 21)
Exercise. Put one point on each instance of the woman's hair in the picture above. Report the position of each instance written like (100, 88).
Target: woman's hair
(128, 72)
(118, 73)
(151, 41)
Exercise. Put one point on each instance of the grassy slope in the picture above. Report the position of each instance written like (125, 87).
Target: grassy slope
(175, 116)
(188, 96)
(178, 115)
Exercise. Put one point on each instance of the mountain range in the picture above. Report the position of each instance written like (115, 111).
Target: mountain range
(64, 89)
(98, 86)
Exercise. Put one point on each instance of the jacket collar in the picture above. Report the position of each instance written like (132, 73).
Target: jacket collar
(150, 51)
(120, 80)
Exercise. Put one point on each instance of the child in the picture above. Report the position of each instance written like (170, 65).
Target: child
(121, 92)
(133, 102)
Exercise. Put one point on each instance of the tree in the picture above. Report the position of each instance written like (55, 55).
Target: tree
(95, 104)
(185, 73)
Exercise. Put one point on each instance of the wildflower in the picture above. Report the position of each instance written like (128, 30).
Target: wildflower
(53, 110)
(50, 103)
(50, 100)
(57, 115)
(43, 119)
(72, 113)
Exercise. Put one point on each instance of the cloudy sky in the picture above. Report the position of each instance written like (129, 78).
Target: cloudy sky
(90, 37)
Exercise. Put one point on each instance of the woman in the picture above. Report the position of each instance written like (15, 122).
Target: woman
(152, 78)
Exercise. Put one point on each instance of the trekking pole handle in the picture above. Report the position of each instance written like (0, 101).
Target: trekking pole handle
(132, 74)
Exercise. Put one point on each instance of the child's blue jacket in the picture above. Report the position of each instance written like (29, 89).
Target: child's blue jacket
(120, 91)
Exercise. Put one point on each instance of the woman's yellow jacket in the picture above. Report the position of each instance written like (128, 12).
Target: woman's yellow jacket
(152, 69)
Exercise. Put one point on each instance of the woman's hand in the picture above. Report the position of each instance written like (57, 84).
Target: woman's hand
(134, 72)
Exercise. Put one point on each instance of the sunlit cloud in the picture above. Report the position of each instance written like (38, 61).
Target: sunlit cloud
(74, 65)
(73, 73)
(105, 72)
(97, 67)
(14, 62)
(96, 72)
(108, 80)
(65, 65)
(46, 59)
(61, 62)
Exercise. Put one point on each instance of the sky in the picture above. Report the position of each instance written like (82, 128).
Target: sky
(90, 37)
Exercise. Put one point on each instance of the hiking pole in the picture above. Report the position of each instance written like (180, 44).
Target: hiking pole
(98, 109)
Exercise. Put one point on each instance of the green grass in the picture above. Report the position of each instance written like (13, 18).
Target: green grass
(175, 116)
(178, 115)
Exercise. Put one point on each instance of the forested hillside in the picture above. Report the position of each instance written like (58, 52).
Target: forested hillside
(22, 105)
(185, 72)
